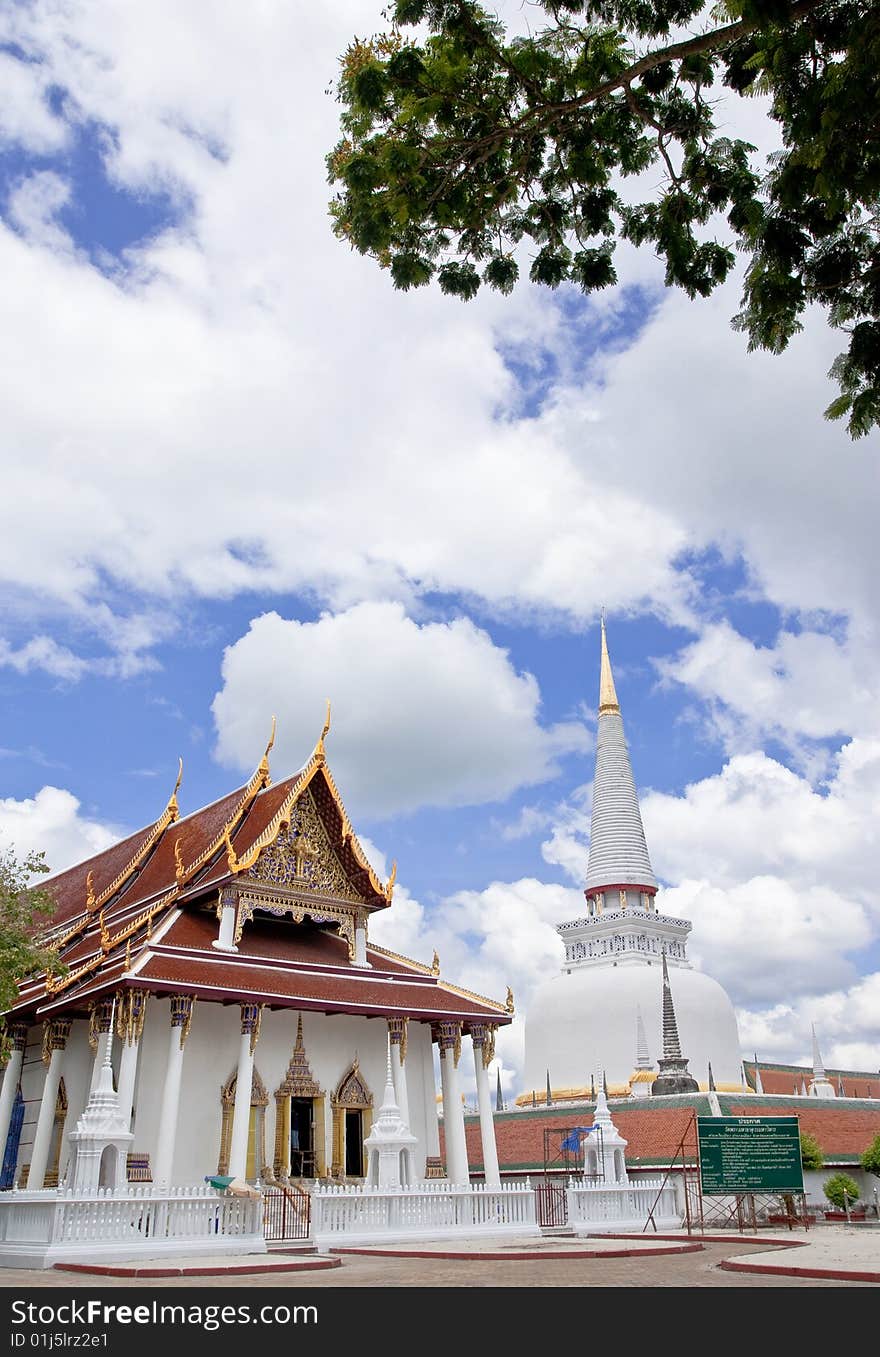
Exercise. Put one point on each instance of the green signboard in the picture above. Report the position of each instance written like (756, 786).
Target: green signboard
(749, 1154)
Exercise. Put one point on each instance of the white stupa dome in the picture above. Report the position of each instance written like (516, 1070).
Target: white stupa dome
(583, 1022)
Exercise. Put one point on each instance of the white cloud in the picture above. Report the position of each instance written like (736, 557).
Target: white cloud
(807, 685)
(764, 939)
(51, 822)
(847, 1025)
(26, 121)
(33, 206)
(757, 818)
(42, 652)
(430, 714)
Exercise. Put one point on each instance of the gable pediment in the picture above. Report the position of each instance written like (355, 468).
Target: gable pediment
(302, 857)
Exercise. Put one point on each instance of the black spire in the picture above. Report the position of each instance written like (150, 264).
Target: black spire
(674, 1076)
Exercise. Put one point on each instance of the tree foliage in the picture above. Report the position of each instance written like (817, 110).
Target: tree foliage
(24, 913)
(840, 1189)
(811, 1152)
(870, 1160)
(461, 144)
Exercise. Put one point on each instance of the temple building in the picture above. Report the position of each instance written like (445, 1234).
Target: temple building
(220, 981)
(608, 1013)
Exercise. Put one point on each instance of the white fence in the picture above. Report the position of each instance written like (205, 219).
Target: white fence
(349, 1215)
(596, 1208)
(38, 1229)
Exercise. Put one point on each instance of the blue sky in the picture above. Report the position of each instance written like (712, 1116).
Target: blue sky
(242, 475)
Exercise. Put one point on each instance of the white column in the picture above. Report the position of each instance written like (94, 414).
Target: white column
(483, 1038)
(360, 943)
(397, 1032)
(433, 1162)
(181, 1015)
(130, 1026)
(453, 1112)
(56, 1039)
(228, 910)
(11, 1077)
(241, 1119)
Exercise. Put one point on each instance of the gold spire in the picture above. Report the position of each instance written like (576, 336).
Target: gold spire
(264, 761)
(172, 808)
(319, 747)
(608, 704)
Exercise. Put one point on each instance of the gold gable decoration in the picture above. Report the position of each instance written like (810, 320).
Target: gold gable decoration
(352, 1091)
(302, 858)
(299, 1082)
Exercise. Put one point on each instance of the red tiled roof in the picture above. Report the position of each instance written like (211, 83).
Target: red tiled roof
(131, 886)
(349, 990)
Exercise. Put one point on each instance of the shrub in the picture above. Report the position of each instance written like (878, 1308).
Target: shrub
(840, 1189)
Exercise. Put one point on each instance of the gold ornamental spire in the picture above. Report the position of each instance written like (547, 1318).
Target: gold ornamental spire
(172, 809)
(263, 769)
(608, 703)
(319, 747)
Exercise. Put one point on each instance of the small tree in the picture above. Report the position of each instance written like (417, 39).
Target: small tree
(24, 912)
(811, 1152)
(870, 1160)
(841, 1190)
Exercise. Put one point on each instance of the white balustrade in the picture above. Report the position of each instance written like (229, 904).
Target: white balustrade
(598, 1208)
(346, 1214)
(38, 1229)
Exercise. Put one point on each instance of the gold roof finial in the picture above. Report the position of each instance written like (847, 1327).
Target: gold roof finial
(231, 857)
(179, 869)
(105, 933)
(128, 955)
(389, 889)
(264, 761)
(172, 808)
(508, 1003)
(90, 891)
(435, 964)
(319, 747)
(608, 703)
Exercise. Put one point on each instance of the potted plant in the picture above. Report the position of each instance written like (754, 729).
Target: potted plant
(842, 1192)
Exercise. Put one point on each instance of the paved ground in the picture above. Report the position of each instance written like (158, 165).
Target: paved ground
(849, 1248)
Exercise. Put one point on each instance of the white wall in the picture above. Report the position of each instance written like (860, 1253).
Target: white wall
(211, 1056)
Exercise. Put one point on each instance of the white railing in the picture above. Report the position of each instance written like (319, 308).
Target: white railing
(598, 1206)
(345, 1213)
(135, 1219)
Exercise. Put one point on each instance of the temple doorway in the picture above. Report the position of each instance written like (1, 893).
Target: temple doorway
(302, 1138)
(354, 1143)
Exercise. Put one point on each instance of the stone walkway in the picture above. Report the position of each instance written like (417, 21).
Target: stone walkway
(838, 1255)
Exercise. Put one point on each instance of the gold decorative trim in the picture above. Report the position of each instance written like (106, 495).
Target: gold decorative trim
(55, 1034)
(472, 994)
(483, 1037)
(131, 1010)
(181, 1014)
(389, 885)
(397, 1032)
(398, 956)
(319, 910)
